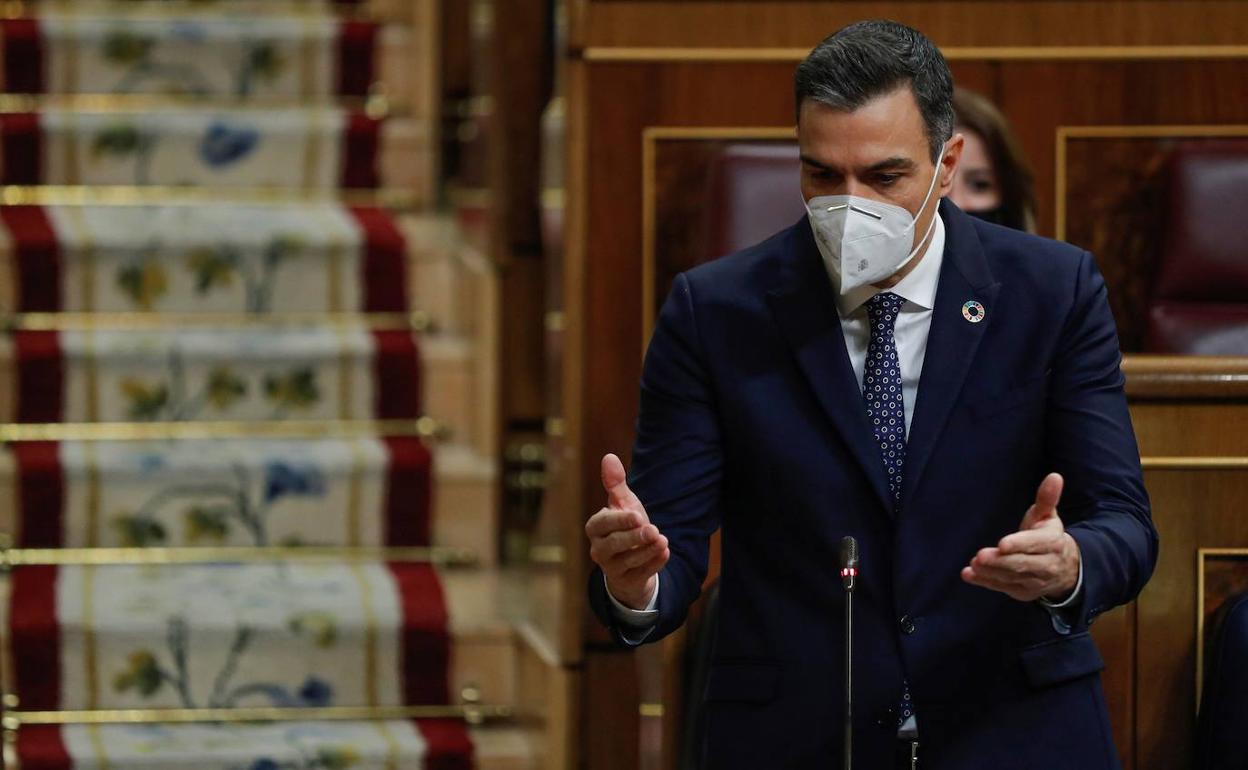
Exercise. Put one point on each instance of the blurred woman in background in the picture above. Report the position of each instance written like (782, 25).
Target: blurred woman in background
(994, 180)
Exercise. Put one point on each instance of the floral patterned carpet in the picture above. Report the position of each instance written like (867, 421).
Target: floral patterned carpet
(177, 311)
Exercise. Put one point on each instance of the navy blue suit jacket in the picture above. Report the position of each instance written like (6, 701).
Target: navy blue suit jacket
(751, 421)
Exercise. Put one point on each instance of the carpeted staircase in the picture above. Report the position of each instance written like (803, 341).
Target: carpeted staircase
(247, 483)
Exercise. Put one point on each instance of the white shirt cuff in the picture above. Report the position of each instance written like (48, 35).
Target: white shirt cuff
(631, 617)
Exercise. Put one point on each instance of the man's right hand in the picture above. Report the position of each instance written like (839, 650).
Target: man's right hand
(622, 541)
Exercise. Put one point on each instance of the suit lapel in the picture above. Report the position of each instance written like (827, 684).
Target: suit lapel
(952, 340)
(805, 310)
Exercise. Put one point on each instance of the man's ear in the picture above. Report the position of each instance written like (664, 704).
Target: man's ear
(949, 163)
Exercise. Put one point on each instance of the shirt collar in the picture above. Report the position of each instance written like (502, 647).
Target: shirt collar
(918, 287)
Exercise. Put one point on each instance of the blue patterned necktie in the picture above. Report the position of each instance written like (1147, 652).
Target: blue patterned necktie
(886, 410)
(881, 387)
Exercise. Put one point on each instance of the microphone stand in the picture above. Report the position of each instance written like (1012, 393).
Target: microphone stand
(849, 571)
(849, 688)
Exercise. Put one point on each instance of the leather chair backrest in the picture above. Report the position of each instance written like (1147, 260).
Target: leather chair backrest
(1222, 728)
(753, 191)
(1200, 297)
(697, 668)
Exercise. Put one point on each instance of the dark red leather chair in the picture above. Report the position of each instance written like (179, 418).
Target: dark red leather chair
(753, 192)
(1223, 720)
(1200, 298)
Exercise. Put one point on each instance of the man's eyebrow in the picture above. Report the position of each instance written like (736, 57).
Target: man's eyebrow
(812, 162)
(888, 164)
(892, 164)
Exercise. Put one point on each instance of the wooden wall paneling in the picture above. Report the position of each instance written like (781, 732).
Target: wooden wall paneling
(521, 63)
(549, 699)
(513, 85)
(455, 79)
(1192, 509)
(523, 349)
(1191, 420)
(1115, 636)
(1039, 99)
(510, 65)
(426, 86)
(774, 26)
(1189, 411)
(611, 718)
(571, 425)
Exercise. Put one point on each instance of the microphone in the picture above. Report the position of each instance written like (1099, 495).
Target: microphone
(849, 574)
(849, 562)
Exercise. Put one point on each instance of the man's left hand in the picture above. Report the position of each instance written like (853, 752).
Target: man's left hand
(1041, 559)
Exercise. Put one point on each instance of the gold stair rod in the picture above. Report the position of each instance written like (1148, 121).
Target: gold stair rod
(471, 713)
(17, 9)
(416, 320)
(166, 195)
(424, 427)
(378, 105)
(436, 555)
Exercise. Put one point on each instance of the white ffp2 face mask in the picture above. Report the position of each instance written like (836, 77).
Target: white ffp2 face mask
(866, 240)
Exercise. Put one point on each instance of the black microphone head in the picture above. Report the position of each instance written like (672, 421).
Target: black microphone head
(849, 553)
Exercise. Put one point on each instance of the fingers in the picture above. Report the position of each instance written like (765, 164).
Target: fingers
(1048, 495)
(621, 540)
(626, 540)
(1011, 589)
(606, 521)
(1044, 538)
(651, 566)
(1022, 576)
(615, 482)
(637, 558)
(1017, 568)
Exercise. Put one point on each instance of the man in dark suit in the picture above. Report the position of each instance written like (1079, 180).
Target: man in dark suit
(946, 391)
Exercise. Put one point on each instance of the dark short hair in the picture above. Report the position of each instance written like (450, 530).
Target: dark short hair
(867, 59)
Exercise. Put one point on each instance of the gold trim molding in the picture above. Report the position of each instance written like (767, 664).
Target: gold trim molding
(611, 54)
(1212, 463)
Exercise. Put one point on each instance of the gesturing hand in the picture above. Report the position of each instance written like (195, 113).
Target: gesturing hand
(1041, 559)
(622, 541)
